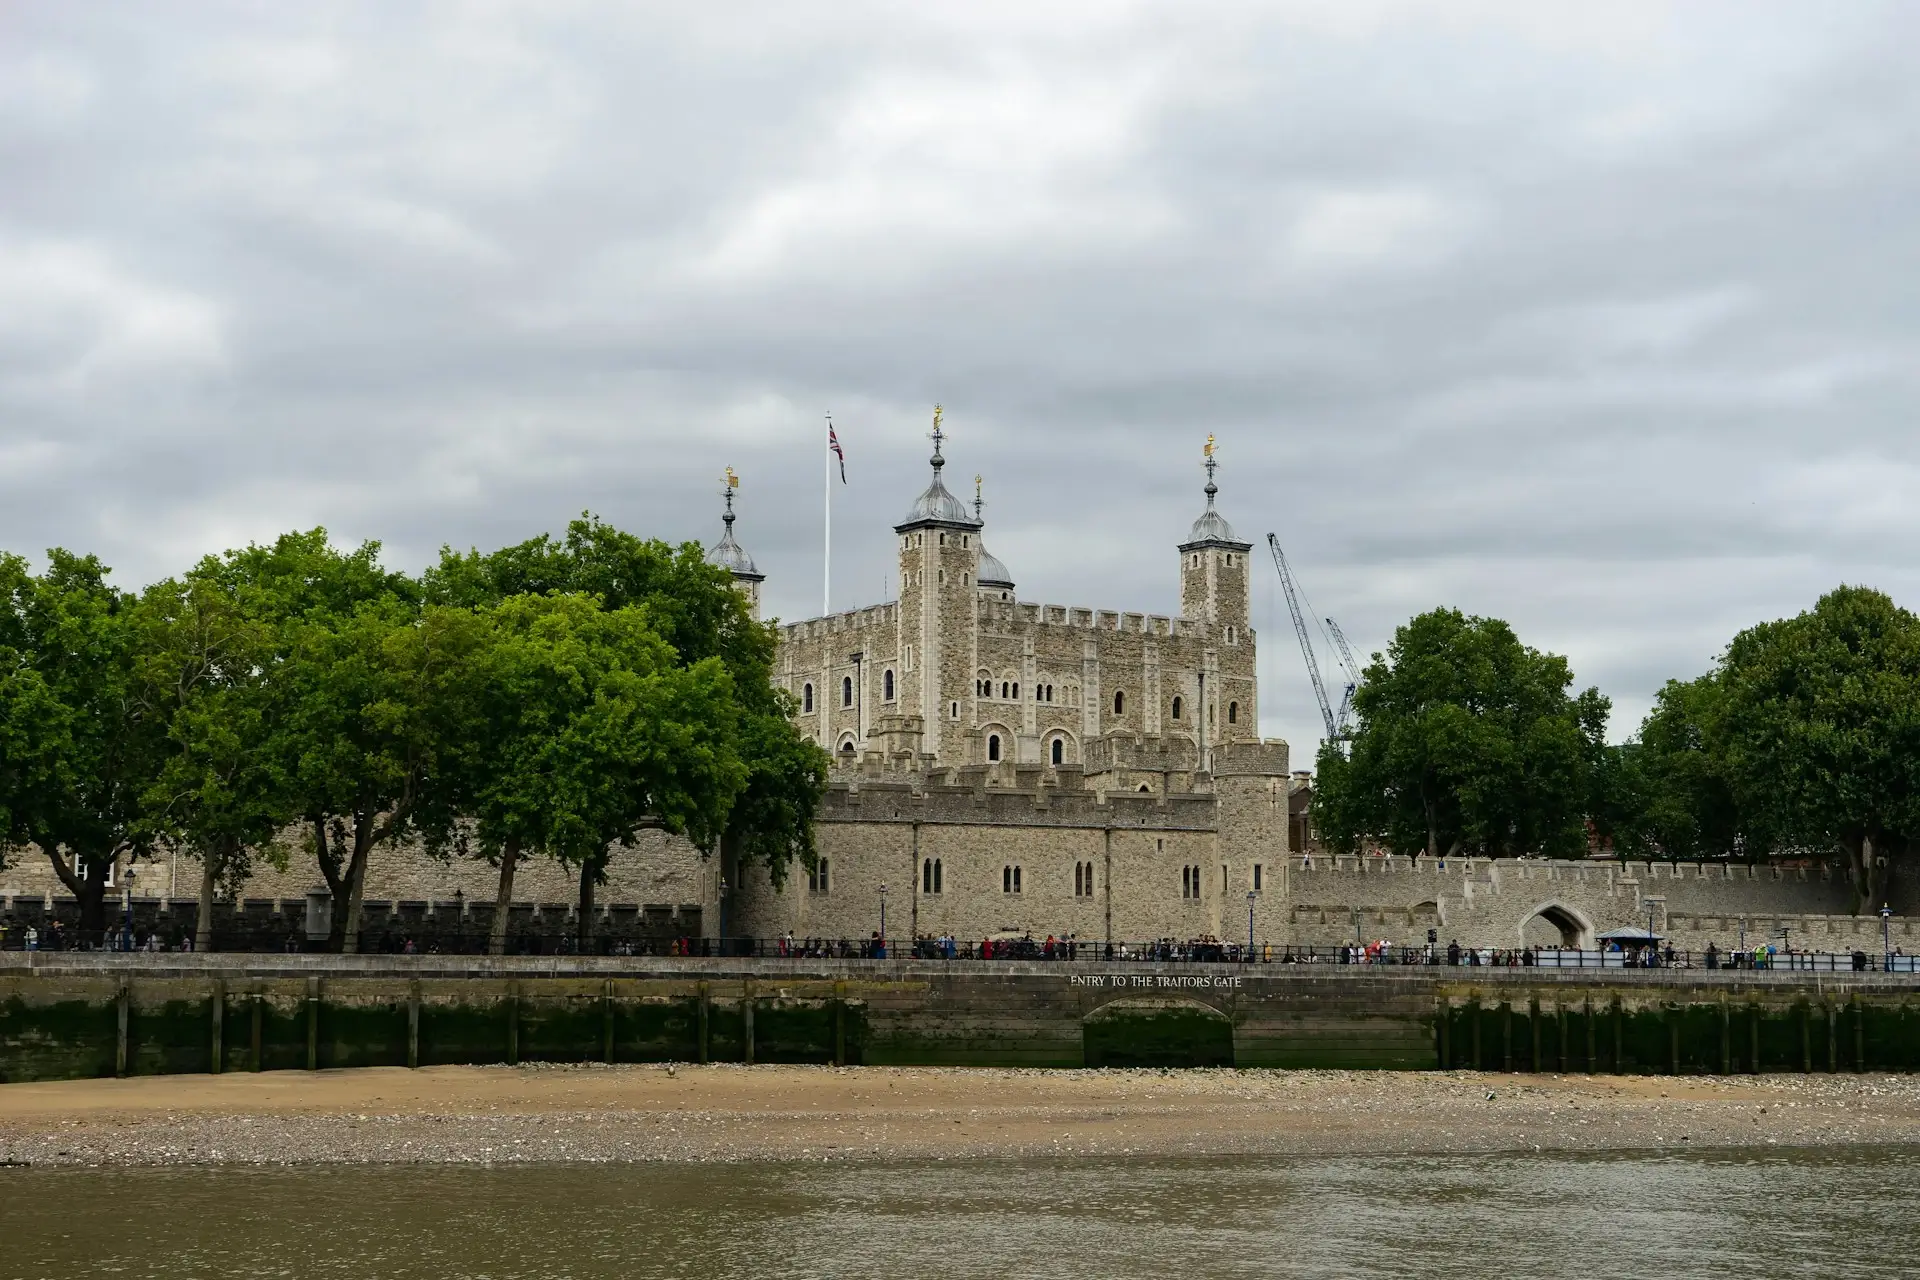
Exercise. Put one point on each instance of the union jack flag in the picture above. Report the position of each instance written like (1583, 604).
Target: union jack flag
(833, 443)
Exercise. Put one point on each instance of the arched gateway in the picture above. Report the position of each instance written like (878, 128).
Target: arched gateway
(1554, 924)
(1157, 1033)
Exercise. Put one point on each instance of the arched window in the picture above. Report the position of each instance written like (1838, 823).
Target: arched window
(1176, 708)
(1016, 879)
(1059, 751)
(1186, 882)
(1119, 703)
(936, 876)
(993, 751)
(1145, 789)
(886, 683)
(1003, 688)
(1006, 878)
(1233, 713)
(926, 875)
(846, 691)
(1079, 869)
(806, 699)
(1016, 688)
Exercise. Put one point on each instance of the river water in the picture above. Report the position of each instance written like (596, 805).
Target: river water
(1847, 1213)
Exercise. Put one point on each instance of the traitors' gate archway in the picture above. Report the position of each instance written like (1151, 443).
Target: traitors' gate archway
(1556, 925)
(1157, 1033)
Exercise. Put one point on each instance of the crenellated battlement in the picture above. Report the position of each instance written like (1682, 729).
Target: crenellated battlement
(1082, 618)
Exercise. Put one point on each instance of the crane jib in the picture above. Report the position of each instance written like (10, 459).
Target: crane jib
(1306, 642)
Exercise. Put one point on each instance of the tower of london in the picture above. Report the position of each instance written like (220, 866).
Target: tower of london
(1005, 765)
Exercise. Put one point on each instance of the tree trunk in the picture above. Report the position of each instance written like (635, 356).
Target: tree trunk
(589, 877)
(203, 918)
(357, 880)
(89, 890)
(503, 900)
(1859, 852)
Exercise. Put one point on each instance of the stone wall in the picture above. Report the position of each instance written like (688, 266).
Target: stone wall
(64, 1016)
(1515, 902)
(966, 858)
(657, 874)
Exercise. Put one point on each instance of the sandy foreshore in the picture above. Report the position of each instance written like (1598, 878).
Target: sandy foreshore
(460, 1115)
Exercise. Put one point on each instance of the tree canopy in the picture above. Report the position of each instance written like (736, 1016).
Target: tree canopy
(692, 606)
(556, 697)
(1820, 725)
(81, 750)
(1466, 740)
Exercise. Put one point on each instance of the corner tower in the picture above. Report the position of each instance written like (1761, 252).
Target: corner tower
(729, 555)
(1214, 567)
(939, 546)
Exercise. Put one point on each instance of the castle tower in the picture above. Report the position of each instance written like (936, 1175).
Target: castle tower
(1215, 571)
(939, 566)
(729, 555)
(994, 581)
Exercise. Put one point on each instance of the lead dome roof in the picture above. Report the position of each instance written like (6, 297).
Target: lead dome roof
(992, 572)
(730, 555)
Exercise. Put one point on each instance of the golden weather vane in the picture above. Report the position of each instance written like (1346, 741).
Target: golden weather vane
(1208, 451)
(937, 413)
(733, 481)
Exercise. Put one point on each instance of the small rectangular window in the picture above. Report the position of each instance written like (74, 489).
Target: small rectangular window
(1256, 877)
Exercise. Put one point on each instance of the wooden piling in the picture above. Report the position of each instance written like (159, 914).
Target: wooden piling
(219, 1017)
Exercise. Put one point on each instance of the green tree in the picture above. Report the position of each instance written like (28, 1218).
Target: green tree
(1681, 804)
(588, 730)
(79, 750)
(367, 689)
(202, 676)
(1821, 723)
(693, 606)
(1466, 740)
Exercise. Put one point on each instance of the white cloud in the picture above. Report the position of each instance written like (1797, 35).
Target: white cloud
(1346, 229)
(71, 318)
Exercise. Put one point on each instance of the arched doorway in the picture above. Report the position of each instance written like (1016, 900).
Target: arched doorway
(1157, 1033)
(1555, 925)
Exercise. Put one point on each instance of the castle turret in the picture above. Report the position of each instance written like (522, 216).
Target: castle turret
(1214, 565)
(939, 566)
(729, 555)
(992, 577)
(1214, 574)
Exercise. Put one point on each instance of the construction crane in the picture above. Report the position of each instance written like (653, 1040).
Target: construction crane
(1306, 641)
(1343, 718)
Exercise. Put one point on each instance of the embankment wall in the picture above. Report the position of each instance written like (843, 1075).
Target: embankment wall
(78, 1015)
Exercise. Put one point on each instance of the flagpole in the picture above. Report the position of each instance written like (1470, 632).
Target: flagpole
(826, 552)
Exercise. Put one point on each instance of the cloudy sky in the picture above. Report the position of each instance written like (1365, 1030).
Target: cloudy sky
(1598, 318)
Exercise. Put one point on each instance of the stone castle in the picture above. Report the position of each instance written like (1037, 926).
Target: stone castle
(1002, 767)
(1008, 767)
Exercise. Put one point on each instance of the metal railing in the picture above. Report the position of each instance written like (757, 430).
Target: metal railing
(1065, 950)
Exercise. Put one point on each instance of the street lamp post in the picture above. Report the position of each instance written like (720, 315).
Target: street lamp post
(883, 915)
(1886, 937)
(1653, 946)
(723, 915)
(1250, 897)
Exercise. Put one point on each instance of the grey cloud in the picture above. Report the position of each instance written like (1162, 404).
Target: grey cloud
(1598, 319)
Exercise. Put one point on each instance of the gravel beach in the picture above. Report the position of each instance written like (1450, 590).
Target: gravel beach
(482, 1115)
